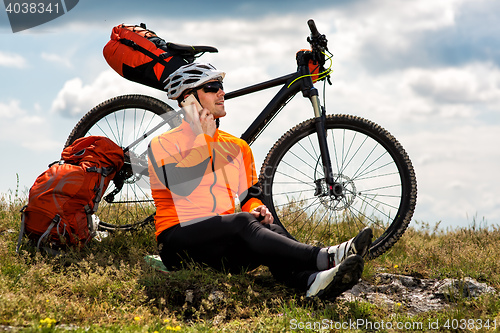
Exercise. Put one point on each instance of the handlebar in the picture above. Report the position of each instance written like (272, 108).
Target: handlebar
(318, 42)
(314, 31)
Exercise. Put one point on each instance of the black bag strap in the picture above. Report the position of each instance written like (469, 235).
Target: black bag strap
(90, 222)
(141, 49)
(100, 191)
(21, 230)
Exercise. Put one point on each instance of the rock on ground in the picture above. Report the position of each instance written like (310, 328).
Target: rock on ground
(414, 295)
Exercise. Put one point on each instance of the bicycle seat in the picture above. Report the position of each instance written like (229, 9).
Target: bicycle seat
(194, 49)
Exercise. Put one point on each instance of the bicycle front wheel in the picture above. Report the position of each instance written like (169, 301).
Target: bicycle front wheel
(375, 184)
(125, 119)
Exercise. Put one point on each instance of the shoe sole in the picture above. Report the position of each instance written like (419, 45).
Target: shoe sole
(348, 275)
(361, 243)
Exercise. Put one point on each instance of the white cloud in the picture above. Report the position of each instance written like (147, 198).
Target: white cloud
(268, 44)
(381, 35)
(76, 98)
(19, 128)
(12, 60)
(10, 110)
(58, 59)
(456, 173)
(416, 97)
(476, 83)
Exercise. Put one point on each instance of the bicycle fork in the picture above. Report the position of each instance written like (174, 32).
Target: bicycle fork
(332, 186)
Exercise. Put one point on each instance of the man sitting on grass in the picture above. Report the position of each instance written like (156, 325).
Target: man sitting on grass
(196, 173)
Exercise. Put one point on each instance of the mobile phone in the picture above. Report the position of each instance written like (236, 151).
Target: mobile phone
(191, 102)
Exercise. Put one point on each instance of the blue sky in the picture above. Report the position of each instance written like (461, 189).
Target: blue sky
(428, 71)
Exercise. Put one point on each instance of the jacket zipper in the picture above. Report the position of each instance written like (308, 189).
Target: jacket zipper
(215, 181)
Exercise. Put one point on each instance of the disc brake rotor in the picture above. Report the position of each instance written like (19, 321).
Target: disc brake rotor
(340, 197)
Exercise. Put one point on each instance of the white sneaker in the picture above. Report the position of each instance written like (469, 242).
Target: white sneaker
(331, 283)
(357, 245)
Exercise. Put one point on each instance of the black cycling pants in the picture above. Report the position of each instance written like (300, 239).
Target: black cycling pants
(238, 242)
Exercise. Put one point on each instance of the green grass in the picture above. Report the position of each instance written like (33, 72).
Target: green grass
(108, 287)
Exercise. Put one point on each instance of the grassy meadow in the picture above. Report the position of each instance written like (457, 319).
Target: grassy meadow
(108, 287)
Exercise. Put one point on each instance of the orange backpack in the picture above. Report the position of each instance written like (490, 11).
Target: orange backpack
(139, 55)
(63, 198)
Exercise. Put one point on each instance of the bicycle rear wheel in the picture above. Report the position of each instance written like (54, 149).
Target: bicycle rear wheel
(125, 119)
(376, 184)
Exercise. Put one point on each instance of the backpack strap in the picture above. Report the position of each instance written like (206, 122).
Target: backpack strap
(88, 211)
(54, 221)
(64, 230)
(21, 230)
(104, 173)
(90, 222)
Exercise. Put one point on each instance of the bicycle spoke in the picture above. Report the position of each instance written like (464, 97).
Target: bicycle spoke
(318, 222)
(310, 216)
(123, 126)
(345, 164)
(115, 138)
(284, 174)
(118, 129)
(383, 203)
(364, 170)
(364, 160)
(315, 156)
(395, 173)
(290, 192)
(302, 160)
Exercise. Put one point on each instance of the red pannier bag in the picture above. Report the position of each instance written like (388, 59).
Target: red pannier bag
(139, 55)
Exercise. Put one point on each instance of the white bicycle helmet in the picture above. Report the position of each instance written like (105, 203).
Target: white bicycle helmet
(190, 76)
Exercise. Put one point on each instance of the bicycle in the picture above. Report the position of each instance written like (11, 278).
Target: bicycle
(329, 175)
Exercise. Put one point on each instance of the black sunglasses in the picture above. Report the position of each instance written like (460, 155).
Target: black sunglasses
(212, 87)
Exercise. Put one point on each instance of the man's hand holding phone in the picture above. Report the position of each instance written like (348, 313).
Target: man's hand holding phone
(200, 119)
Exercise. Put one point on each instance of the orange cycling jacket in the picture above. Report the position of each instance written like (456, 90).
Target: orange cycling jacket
(197, 176)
